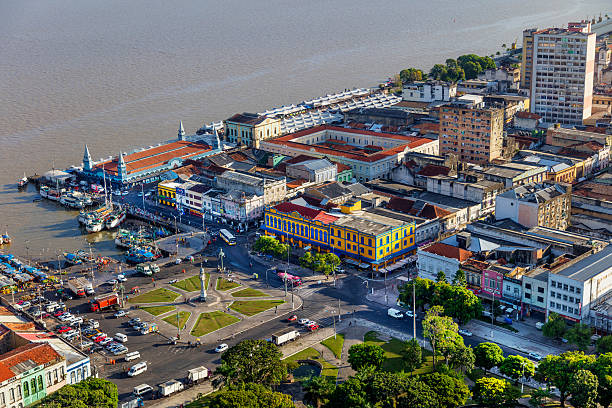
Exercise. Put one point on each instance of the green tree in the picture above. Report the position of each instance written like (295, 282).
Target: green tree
(459, 279)
(250, 396)
(516, 367)
(488, 355)
(472, 69)
(350, 394)
(318, 390)
(493, 392)
(416, 394)
(602, 368)
(441, 277)
(558, 370)
(539, 398)
(462, 358)
(383, 388)
(584, 389)
(411, 75)
(412, 355)
(423, 291)
(332, 261)
(438, 71)
(253, 361)
(458, 302)
(580, 335)
(265, 244)
(555, 327)
(450, 391)
(307, 260)
(604, 345)
(91, 392)
(363, 355)
(439, 330)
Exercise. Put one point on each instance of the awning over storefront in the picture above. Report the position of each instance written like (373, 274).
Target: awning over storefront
(351, 261)
(364, 265)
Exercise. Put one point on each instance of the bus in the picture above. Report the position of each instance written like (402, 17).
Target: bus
(227, 237)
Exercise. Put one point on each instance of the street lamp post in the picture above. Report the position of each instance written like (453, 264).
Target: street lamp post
(413, 308)
(221, 256)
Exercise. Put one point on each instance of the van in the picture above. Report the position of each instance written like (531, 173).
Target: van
(132, 356)
(51, 307)
(141, 390)
(121, 337)
(396, 314)
(137, 369)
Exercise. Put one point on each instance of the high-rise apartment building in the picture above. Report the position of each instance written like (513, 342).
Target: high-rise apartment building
(557, 69)
(472, 132)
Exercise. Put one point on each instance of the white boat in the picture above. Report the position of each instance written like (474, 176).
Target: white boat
(95, 225)
(86, 216)
(115, 219)
(70, 201)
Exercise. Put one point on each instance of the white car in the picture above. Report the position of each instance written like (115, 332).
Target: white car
(535, 356)
(93, 323)
(124, 193)
(65, 317)
(106, 341)
(177, 261)
(121, 278)
(120, 313)
(303, 322)
(172, 281)
(465, 332)
(112, 281)
(221, 348)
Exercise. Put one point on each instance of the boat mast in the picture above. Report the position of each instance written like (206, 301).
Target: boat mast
(104, 180)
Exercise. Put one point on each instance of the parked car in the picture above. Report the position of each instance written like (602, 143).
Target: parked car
(93, 323)
(221, 348)
(58, 313)
(465, 332)
(64, 329)
(121, 278)
(112, 281)
(120, 313)
(535, 356)
(105, 341)
(172, 281)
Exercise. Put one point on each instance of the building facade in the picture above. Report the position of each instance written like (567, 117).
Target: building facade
(473, 133)
(250, 129)
(560, 80)
(429, 91)
(318, 170)
(273, 190)
(370, 240)
(545, 205)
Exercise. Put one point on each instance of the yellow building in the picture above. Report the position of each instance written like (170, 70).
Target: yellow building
(365, 238)
(249, 129)
(166, 193)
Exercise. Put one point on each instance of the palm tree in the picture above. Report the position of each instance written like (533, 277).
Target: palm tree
(318, 389)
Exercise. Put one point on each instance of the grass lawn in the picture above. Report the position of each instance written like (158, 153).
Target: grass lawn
(158, 310)
(330, 371)
(393, 353)
(249, 292)
(160, 295)
(191, 284)
(183, 317)
(335, 345)
(223, 284)
(209, 322)
(252, 307)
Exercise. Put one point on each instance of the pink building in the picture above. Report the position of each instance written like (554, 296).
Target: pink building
(492, 283)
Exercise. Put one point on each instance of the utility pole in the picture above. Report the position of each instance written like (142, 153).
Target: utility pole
(413, 308)
(178, 326)
(285, 276)
(292, 304)
(386, 297)
(339, 312)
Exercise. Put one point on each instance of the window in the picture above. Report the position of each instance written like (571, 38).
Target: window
(49, 378)
(565, 297)
(552, 304)
(527, 295)
(564, 308)
(565, 286)
(552, 293)
(570, 310)
(12, 395)
(572, 289)
(26, 390)
(577, 300)
(528, 286)
(578, 290)
(553, 284)
(558, 295)
(540, 299)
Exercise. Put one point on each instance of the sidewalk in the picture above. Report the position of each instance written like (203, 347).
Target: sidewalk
(524, 342)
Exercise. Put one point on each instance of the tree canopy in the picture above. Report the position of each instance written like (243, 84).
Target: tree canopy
(271, 246)
(91, 392)
(516, 367)
(363, 355)
(488, 355)
(423, 289)
(555, 327)
(584, 389)
(493, 392)
(412, 355)
(250, 396)
(253, 361)
(559, 370)
(450, 391)
(579, 335)
(604, 345)
(323, 263)
(411, 75)
(440, 330)
(602, 368)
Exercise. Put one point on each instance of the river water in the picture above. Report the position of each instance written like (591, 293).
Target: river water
(121, 74)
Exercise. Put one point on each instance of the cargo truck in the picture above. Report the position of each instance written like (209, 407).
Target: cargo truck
(283, 336)
(104, 302)
(170, 387)
(196, 374)
(144, 269)
(78, 285)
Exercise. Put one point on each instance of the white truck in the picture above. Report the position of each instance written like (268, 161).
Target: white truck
(283, 336)
(170, 387)
(196, 374)
(78, 285)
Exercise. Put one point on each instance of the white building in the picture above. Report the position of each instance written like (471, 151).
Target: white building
(429, 91)
(318, 171)
(483, 192)
(440, 257)
(562, 68)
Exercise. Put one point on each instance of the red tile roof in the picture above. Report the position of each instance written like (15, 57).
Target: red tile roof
(448, 251)
(433, 170)
(432, 212)
(527, 115)
(41, 353)
(348, 151)
(156, 156)
(310, 213)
